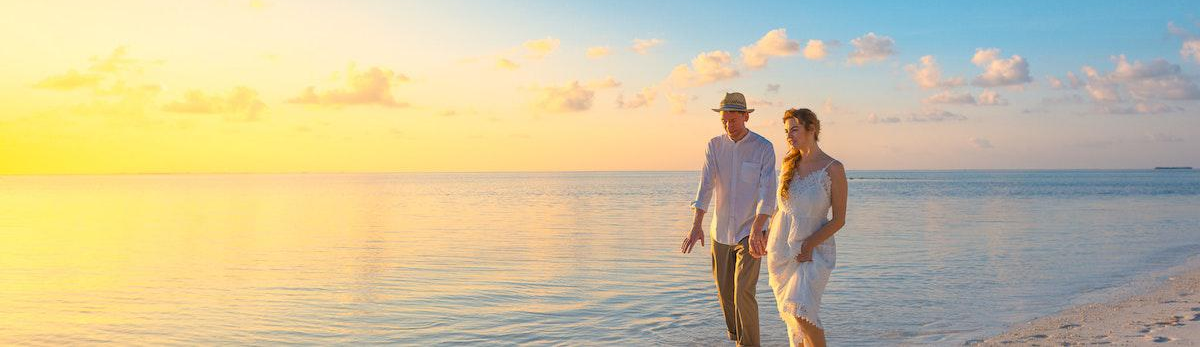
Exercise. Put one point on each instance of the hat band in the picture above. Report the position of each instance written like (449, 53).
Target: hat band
(734, 107)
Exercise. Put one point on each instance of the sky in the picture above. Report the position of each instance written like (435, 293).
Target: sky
(450, 86)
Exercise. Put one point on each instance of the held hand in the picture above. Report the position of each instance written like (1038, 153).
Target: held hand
(758, 244)
(689, 240)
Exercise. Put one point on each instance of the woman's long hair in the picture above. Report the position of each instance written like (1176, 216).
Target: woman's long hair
(809, 121)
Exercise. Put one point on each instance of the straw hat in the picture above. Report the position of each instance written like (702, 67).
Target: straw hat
(734, 102)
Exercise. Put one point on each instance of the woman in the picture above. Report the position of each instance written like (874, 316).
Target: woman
(800, 247)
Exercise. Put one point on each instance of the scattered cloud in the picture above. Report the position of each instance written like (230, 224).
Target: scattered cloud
(706, 68)
(774, 44)
(540, 48)
(772, 88)
(871, 48)
(571, 97)
(874, 119)
(1157, 79)
(643, 98)
(928, 75)
(1141, 108)
(241, 102)
(1190, 49)
(998, 71)
(817, 49)
(991, 98)
(950, 97)
(642, 46)
(935, 115)
(679, 102)
(1071, 82)
(1099, 87)
(370, 87)
(598, 52)
(1162, 137)
(505, 64)
(607, 82)
(70, 81)
(980, 143)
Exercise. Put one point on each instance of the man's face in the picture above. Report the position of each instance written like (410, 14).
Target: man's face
(734, 121)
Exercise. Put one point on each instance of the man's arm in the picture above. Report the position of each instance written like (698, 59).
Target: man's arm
(703, 198)
(767, 184)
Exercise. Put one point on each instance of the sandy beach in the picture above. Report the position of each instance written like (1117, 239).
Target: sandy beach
(1168, 314)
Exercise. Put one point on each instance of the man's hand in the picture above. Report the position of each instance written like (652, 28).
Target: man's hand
(758, 244)
(689, 240)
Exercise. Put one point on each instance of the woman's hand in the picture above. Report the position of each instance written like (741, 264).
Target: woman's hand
(806, 254)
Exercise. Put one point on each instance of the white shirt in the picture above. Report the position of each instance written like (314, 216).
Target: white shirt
(741, 175)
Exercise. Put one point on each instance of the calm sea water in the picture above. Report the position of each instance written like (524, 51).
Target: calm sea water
(552, 258)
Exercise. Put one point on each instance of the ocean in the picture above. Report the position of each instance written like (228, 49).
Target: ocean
(571, 258)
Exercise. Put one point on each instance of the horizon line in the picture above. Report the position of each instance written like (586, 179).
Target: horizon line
(534, 171)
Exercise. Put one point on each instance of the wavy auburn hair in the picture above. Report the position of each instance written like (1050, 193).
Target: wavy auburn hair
(809, 121)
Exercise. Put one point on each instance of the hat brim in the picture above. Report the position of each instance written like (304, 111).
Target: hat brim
(735, 110)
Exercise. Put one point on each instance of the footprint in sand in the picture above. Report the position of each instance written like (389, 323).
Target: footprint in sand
(1073, 325)
(1160, 339)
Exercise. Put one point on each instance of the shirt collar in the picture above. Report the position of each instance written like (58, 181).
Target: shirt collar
(744, 138)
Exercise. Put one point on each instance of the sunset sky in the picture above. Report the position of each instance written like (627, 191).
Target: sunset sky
(392, 86)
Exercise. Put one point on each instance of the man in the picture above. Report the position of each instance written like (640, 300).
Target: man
(739, 171)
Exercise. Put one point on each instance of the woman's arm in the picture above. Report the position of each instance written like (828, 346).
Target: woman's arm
(837, 174)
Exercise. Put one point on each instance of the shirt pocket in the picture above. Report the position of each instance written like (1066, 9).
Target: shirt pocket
(749, 173)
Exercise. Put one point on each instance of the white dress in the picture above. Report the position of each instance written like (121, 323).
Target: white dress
(798, 286)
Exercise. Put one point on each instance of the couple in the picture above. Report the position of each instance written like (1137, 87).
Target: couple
(739, 172)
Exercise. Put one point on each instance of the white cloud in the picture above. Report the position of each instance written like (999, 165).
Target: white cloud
(980, 143)
(642, 46)
(569, 98)
(539, 48)
(1190, 49)
(991, 98)
(506, 64)
(241, 102)
(644, 98)
(774, 44)
(1162, 137)
(678, 102)
(1099, 87)
(1141, 108)
(929, 75)
(69, 81)
(1157, 79)
(607, 82)
(598, 52)
(874, 119)
(870, 48)
(817, 49)
(998, 71)
(372, 86)
(935, 116)
(706, 68)
(949, 97)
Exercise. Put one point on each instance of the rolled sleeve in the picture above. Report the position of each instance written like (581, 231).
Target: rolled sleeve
(767, 182)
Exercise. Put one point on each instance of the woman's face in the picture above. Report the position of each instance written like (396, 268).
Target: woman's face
(797, 136)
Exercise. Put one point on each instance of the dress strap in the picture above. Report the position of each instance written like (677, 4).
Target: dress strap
(830, 163)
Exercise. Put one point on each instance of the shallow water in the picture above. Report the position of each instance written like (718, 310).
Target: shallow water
(551, 258)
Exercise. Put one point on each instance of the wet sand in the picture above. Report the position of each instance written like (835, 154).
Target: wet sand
(1167, 315)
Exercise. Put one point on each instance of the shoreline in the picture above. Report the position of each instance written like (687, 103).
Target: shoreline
(1167, 313)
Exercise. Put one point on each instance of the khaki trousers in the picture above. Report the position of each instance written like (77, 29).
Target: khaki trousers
(736, 273)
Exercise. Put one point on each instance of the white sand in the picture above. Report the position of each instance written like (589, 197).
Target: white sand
(1168, 315)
